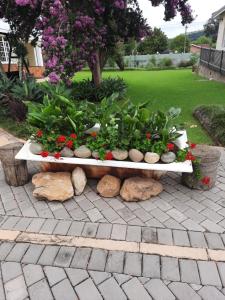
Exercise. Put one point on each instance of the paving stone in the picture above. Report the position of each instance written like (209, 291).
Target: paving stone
(149, 235)
(40, 290)
(142, 214)
(10, 223)
(115, 262)
(189, 271)
(32, 274)
(48, 255)
(99, 277)
(210, 292)
(17, 252)
(35, 225)
(154, 223)
(221, 268)
(85, 205)
(23, 224)
(126, 214)
(54, 274)
(158, 290)
(214, 241)
(195, 287)
(16, 289)
(78, 214)
(76, 276)
(10, 270)
(87, 291)
(64, 257)
(183, 291)
(94, 215)
(111, 290)
(165, 236)
(104, 231)
(176, 215)
(133, 264)
(115, 204)
(159, 215)
(48, 226)
(135, 290)
(81, 258)
(62, 227)
(110, 214)
(191, 225)
(170, 268)
(64, 290)
(197, 239)
(90, 229)
(119, 232)
(76, 228)
(122, 278)
(194, 215)
(33, 253)
(208, 273)
(5, 248)
(151, 266)
(212, 215)
(172, 224)
(181, 238)
(98, 260)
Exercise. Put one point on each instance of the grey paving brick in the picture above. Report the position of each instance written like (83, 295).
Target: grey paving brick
(2, 292)
(159, 215)
(23, 224)
(181, 238)
(32, 274)
(115, 262)
(151, 266)
(176, 215)
(210, 292)
(85, 205)
(170, 269)
(135, 290)
(189, 271)
(126, 214)
(40, 290)
(81, 258)
(17, 252)
(90, 229)
(197, 239)
(149, 235)
(62, 227)
(154, 223)
(94, 215)
(165, 236)
(183, 291)
(119, 232)
(172, 224)
(98, 260)
(221, 268)
(35, 225)
(76, 228)
(191, 225)
(76, 276)
(64, 257)
(208, 273)
(10, 223)
(87, 291)
(64, 290)
(10, 270)
(16, 289)
(194, 215)
(48, 226)
(111, 290)
(110, 214)
(133, 264)
(115, 204)
(54, 274)
(104, 231)
(48, 255)
(78, 214)
(33, 253)
(142, 214)
(214, 241)
(122, 278)
(158, 290)
(5, 248)
(99, 277)
(212, 227)
(133, 234)
(212, 215)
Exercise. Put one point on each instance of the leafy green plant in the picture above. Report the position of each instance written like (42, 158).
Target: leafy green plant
(165, 62)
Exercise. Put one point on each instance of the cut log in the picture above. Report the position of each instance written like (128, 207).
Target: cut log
(15, 171)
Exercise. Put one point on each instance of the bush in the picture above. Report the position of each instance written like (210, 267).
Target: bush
(165, 62)
(86, 90)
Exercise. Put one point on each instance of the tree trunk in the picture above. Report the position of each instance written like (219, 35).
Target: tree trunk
(96, 70)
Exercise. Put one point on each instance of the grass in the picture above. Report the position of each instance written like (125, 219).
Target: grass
(178, 88)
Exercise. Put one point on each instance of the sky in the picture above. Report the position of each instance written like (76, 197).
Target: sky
(203, 10)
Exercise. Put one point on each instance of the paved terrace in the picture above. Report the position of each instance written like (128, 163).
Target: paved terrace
(170, 247)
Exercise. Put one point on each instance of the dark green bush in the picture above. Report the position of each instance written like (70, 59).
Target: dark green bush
(86, 90)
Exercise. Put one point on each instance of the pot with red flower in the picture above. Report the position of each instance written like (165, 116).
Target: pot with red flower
(169, 157)
(205, 160)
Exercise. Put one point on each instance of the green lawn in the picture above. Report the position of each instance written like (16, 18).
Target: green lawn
(178, 88)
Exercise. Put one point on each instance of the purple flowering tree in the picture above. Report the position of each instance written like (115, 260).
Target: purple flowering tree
(83, 31)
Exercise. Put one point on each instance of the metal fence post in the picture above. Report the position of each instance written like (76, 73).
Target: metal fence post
(210, 50)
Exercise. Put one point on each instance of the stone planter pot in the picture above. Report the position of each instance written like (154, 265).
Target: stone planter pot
(209, 161)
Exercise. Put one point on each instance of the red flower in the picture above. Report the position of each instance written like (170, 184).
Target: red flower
(170, 146)
(61, 139)
(57, 155)
(190, 156)
(109, 156)
(148, 135)
(73, 136)
(206, 180)
(39, 133)
(69, 144)
(44, 153)
(94, 134)
(193, 146)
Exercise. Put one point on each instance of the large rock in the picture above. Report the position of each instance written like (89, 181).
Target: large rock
(82, 152)
(109, 186)
(151, 158)
(53, 186)
(79, 180)
(36, 148)
(138, 188)
(120, 154)
(136, 155)
(67, 152)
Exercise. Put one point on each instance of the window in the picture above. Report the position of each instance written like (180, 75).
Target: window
(4, 50)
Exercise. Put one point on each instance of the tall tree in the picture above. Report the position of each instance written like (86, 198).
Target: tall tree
(179, 43)
(211, 29)
(73, 32)
(157, 41)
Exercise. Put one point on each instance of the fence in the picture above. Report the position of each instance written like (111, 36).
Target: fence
(213, 59)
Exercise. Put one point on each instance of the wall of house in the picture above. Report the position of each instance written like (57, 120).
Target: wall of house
(220, 45)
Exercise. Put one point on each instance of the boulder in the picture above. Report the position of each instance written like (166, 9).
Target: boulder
(67, 152)
(120, 154)
(79, 180)
(109, 186)
(53, 186)
(151, 158)
(136, 155)
(168, 157)
(138, 188)
(35, 148)
(82, 152)
(95, 154)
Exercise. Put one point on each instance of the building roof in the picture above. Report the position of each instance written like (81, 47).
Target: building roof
(219, 12)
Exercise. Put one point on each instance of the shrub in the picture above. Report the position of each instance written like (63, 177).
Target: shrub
(86, 90)
(165, 62)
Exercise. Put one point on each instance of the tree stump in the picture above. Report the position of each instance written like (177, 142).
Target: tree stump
(15, 171)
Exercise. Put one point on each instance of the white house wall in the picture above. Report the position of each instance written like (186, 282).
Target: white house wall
(220, 45)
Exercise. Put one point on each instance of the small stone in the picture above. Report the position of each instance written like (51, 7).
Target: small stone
(67, 152)
(136, 155)
(79, 180)
(53, 186)
(168, 157)
(82, 152)
(109, 186)
(36, 148)
(151, 158)
(137, 188)
(120, 154)
(95, 154)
